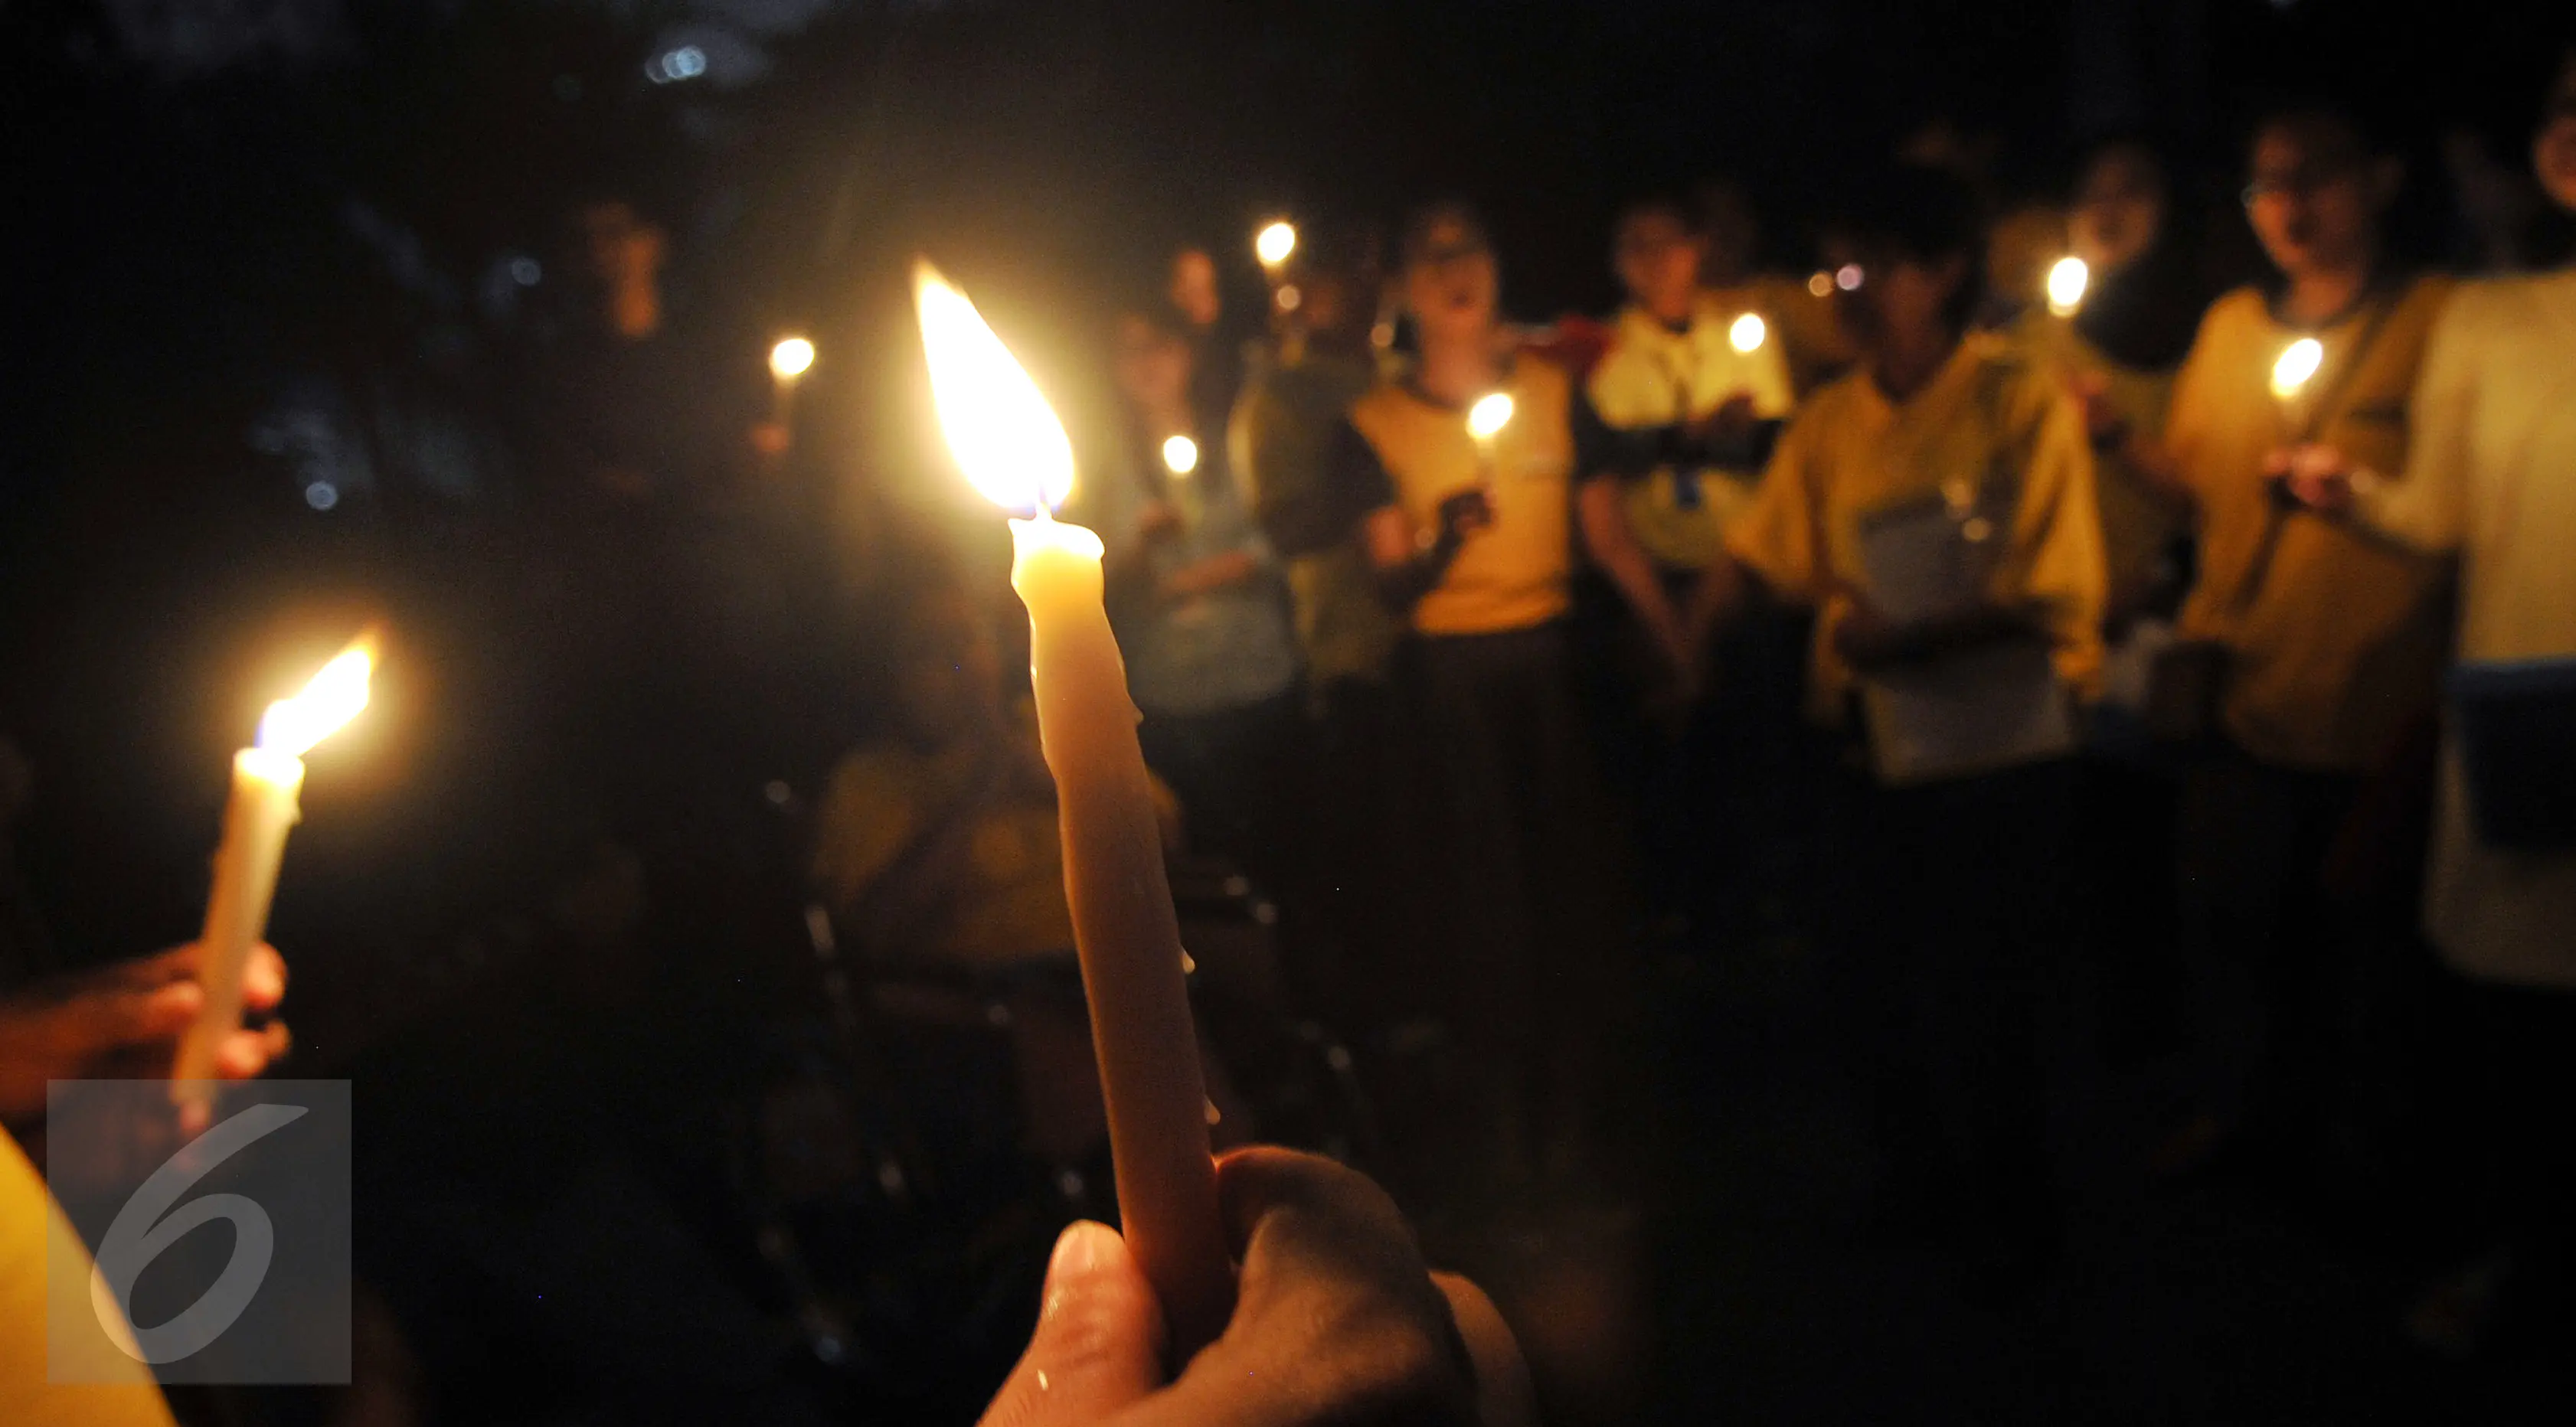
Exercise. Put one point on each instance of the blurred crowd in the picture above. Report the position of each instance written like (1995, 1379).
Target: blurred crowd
(2090, 637)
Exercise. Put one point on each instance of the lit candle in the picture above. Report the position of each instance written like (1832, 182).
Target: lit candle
(1485, 422)
(2296, 365)
(2067, 280)
(1011, 447)
(788, 363)
(266, 778)
(1747, 332)
(1180, 455)
(1273, 244)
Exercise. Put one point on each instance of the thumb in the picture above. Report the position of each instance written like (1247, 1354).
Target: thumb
(1099, 1339)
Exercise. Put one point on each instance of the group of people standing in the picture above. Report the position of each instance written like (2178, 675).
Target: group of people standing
(2099, 551)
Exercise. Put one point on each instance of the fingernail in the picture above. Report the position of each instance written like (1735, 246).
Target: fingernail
(1077, 1249)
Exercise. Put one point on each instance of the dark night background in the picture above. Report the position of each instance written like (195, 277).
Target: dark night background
(261, 243)
(220, 205)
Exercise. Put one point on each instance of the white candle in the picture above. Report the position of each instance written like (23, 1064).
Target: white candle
(266, 780)
(1485, 422)
(1010, 445)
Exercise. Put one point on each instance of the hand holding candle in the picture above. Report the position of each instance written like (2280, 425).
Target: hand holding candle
(1011, 447)
(266, 779)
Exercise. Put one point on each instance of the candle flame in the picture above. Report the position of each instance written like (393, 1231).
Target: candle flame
(1180, 455)
(2299, 361)
(1274, 243)
(1005, 437)
(2066, 283)
(1747, 333)
(293, 726)
(1491, 413)
(790, 358)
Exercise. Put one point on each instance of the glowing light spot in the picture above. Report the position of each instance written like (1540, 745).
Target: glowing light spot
(1747, 333)
(1847, 277)
(2298, 362)
(1822, 284)
(336, 695)
(1180, 455)
(1491, 413)
(321, 495)
(1006, 438)
(2066, 283)
(525, 272)
(1290, 299)
(1274, 243)
(791, 358)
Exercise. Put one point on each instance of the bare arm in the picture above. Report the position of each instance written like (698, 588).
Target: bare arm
(1612, 544)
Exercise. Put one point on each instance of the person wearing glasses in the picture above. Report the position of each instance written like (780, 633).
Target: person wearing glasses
(2323, 643)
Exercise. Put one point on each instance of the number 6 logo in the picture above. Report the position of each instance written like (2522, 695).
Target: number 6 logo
(139, 1234)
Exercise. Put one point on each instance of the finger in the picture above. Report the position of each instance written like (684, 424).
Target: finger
(1504, 1396)
(263, 979)
(1324, 1249)
(245, 1054)
(1307, 1205)
(1099, 1340)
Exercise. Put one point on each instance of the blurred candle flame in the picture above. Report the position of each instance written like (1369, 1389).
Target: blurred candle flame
(1180, 455)
(293, 726)
(1005, 437)
(791, 358)
(2298, 362)
(2066, 283)
(1274, 243)
(1747, 333)
(1491, 413)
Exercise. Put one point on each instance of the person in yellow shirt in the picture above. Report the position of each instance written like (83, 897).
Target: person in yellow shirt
(2117, 350)
(937, 845)
(1473, 538)
(1694, 387)
(2326, 641)
(1937, 506)
(1697, 389)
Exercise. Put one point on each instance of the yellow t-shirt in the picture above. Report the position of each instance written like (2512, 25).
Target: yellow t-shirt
(2138, 521)
(2341, 642)
(1985, 421)
(885, 796)
(31, 1225)
(1654, 376)
(1514, 574)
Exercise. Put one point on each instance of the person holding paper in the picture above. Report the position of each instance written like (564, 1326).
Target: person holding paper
(1937, 506)
(2490, 480)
